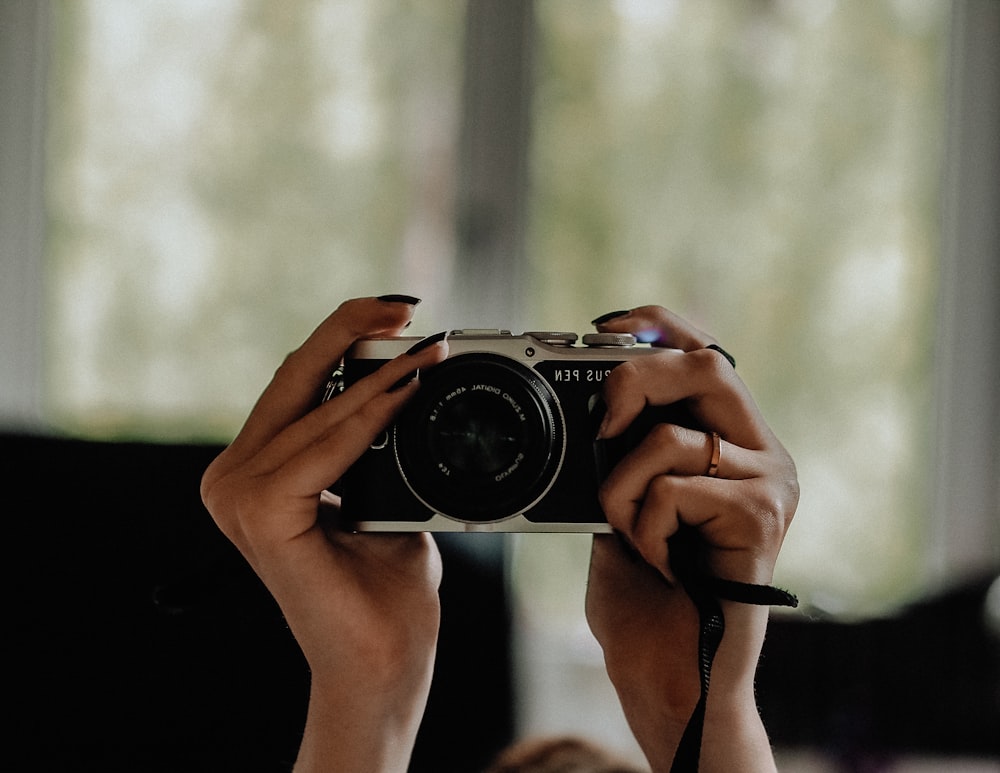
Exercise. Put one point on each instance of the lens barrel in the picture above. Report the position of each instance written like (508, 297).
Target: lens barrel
(482, 440)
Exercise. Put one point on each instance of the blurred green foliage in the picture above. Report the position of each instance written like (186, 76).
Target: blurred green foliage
(223, 174)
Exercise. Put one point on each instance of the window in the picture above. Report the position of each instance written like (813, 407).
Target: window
(772, 170)
(218, 176)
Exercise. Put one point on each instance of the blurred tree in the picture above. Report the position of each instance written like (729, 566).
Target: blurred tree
(222, 174)
(771, 170)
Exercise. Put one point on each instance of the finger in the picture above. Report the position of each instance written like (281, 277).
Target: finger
(716, 396)
(669, 450)
(658, 326)
(285, 501)
(656, 521)
(740, 522)
(292, 391)
(377, 397)
(316, 451)
(282, 481)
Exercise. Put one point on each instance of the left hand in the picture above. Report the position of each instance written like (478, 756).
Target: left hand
(364, 608)
(645, 622)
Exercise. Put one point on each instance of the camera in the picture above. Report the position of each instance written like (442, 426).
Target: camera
(499, 437)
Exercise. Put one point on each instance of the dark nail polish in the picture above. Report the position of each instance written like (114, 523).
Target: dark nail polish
(395, 298)
(423, 343)
(608, 317)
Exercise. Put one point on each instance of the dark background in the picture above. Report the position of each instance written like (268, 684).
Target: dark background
(143, 642)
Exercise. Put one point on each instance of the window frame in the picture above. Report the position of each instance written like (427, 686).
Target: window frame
(965, 534)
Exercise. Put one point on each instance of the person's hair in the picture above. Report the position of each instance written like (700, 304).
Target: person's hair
(565, 754)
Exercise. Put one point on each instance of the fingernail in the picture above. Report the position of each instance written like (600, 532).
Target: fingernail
(409, 378)
(423, 343)
(397, 298)
(608, 317)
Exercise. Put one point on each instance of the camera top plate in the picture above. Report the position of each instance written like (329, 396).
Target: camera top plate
(526, 347)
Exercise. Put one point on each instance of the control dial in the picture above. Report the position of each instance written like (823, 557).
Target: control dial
(608, 340)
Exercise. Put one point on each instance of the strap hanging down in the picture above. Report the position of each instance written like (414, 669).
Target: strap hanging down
(705, 592)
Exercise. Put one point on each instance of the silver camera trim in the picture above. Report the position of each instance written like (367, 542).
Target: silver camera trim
(528, 349)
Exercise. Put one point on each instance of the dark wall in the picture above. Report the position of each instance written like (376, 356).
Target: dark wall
(143, 642)
(926, 680)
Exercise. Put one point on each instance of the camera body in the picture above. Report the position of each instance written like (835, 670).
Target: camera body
(500, 436)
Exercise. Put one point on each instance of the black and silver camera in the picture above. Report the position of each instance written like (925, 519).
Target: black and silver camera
(500, 436)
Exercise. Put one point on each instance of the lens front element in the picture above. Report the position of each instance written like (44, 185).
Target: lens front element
(482, 439)
(472, 434)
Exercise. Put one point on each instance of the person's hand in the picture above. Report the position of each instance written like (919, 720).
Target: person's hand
(644, 620)
(364, 608)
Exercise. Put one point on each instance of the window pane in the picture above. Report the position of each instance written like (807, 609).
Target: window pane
(221, 175)
(769, 169)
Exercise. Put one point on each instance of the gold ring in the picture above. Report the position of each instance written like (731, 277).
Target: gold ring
(713, 466)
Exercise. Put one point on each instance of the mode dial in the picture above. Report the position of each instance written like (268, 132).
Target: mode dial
(608, 340)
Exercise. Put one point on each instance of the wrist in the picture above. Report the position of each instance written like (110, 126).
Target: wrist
(369, 727)
(734, 738)
(659, 694)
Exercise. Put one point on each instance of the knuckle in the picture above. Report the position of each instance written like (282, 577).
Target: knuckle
(780, 496)
(659, 511)
(790, 481)
(234, 498)
(771, 510)
(710, 365)
(666, 437)
(214, 487)
(791, 498)
(662, 491)
(208, 482)
(350, 305)
(225, 503)
(350, 310)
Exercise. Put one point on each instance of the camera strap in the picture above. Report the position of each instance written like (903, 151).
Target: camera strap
(706, 592)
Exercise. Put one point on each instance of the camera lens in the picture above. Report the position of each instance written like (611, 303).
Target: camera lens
(474, 435)
(482, 440)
